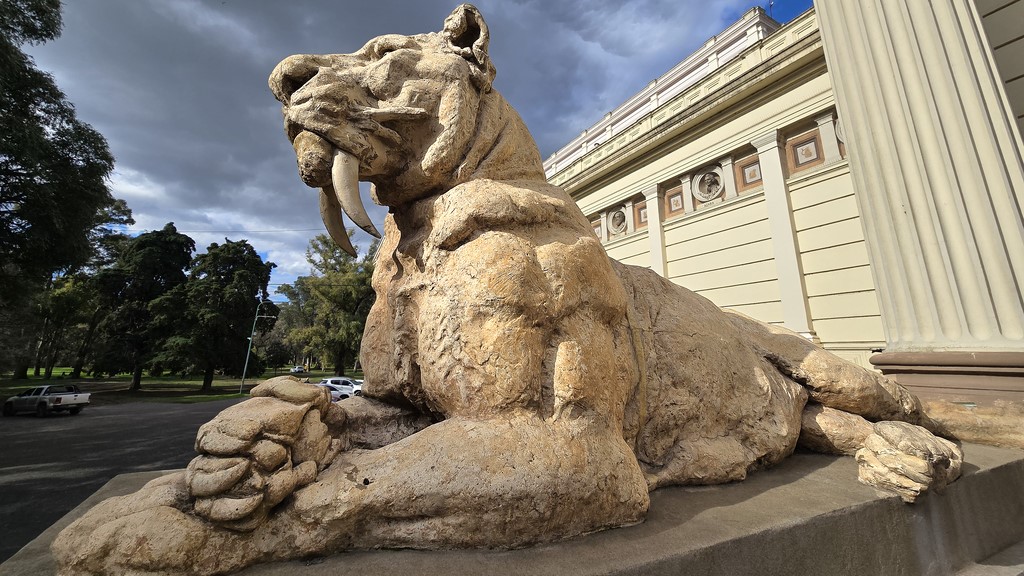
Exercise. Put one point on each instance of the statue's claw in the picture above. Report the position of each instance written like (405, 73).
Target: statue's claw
(255, 454)
(907, 460)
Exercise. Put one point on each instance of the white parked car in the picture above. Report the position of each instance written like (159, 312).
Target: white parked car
(340, 388)
(297, 369)
(46, 399)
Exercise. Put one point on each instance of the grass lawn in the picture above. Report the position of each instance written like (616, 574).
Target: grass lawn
(168, 388)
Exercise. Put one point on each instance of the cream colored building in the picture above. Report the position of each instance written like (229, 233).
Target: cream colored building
(731, 175)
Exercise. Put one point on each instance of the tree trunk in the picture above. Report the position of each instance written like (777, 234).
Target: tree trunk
(41, 345)
(21, 370)
(76, 370)
(137, 378)
(207, 380)
(339, 362)
(83, 350)
(57, 341)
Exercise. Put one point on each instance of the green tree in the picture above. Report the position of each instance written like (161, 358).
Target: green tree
(70, 306)
(108, 247)
(65, 309)
(332, 303)
(53, 183)
(53, 167)
(276, 352)
(151, 265)
(219, 301)
(295, 316)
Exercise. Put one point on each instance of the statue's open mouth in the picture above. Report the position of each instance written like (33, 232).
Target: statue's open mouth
(335, 171)
(339, 186)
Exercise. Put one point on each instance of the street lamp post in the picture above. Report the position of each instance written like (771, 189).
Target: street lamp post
(251, 335)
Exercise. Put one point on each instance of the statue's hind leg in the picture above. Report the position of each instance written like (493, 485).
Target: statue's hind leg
(832, 381)
(860, 412)
(893, 456)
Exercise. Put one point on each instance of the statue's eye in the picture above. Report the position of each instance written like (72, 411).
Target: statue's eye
(382, 50)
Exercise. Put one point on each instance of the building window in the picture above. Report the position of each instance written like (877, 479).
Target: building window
(596, 224)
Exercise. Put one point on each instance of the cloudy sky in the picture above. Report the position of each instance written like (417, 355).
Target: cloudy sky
(179, 89)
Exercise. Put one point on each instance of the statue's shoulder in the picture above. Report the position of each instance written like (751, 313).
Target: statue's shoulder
(519, 206)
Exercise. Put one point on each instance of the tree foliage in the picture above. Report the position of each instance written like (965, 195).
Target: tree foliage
(75, 288)
(53, 167)
(29, 21)
(150, 266)
(327, 310)
(215, 310)
(55, 204)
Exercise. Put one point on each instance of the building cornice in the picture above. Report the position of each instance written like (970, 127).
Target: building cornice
(803, 63)
(719, 51)
(759, 72)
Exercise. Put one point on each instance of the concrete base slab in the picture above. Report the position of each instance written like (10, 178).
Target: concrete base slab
(1009, 562)
(808, 515)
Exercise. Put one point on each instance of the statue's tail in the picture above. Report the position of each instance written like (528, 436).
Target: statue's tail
(1001, 424)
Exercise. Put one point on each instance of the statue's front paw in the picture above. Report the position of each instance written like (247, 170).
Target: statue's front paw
(908, 460)
(255, 454)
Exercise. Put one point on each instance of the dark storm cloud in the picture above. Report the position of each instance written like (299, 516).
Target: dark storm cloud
(178, 87)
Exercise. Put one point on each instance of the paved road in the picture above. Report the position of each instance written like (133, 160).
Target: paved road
(50, 465)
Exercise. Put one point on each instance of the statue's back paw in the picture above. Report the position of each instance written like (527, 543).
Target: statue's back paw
(907, 460)
(255, 454)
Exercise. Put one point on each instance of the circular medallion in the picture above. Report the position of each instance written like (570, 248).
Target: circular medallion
(709, 187)
(617, 221)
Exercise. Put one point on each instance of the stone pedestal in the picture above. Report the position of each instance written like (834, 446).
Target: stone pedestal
(939, 181)
(808, 515)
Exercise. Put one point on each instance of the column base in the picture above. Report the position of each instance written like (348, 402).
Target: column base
(962, 377)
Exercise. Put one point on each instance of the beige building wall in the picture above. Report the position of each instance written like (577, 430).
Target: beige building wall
(730, 175)
(725, 254)
(787, 247)
(632, 249)
(840, 289)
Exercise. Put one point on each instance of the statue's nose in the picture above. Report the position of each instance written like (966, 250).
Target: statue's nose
(293, 73)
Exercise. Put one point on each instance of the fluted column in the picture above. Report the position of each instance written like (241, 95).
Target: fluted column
(729, 177)
(795, 314)
(937, 170)
(829, 142)
(652, 196)
(689, 203)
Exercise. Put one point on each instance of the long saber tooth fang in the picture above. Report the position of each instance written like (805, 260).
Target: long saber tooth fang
(330, 211)
(345, 176)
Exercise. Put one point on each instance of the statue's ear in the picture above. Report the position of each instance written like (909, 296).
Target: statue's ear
(465, 33)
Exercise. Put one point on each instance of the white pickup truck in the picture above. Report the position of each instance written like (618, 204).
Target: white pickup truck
(45, 399)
